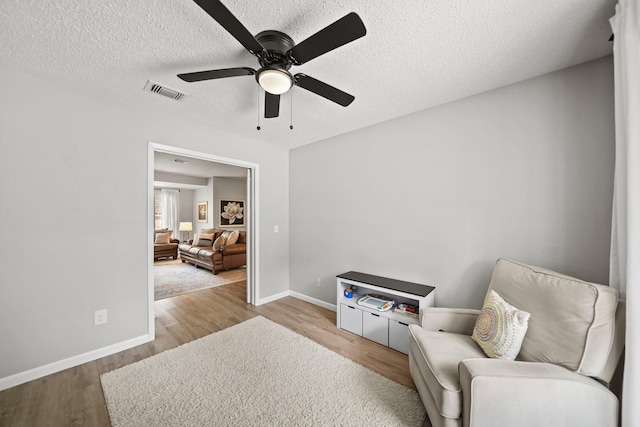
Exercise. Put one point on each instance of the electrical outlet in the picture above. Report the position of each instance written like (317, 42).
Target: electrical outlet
(276, 229)
(318, 282)
(100, 317)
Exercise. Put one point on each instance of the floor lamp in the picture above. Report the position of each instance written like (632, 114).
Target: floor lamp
(185, 226)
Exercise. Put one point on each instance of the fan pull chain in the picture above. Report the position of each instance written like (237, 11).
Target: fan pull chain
(258, 92)
(291, 111)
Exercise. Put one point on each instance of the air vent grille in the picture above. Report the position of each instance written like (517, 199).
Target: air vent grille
(154, 87)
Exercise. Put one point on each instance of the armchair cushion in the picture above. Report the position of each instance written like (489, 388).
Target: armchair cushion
(439, 366)
(572, 322)
(500, 328)
(499, 392)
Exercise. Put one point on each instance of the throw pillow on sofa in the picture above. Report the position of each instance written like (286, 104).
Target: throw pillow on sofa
(163, 238)
(203, 239)
(233, 237)
(219, 243)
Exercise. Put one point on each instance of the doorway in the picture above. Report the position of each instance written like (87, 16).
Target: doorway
(251, 210)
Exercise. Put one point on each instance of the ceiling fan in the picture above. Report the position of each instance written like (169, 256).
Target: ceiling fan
(276, 53)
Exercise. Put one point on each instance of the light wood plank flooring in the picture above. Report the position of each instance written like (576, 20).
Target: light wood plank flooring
(74, 396)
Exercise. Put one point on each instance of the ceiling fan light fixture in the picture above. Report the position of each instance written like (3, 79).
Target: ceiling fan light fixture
(275, 81)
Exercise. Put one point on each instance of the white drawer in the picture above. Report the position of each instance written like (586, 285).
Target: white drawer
(399, 336)
(375, 327)
(351, 319)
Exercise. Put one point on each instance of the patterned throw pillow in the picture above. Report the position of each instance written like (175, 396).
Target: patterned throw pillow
(233, 238)
(203, 239)
(163, 238)
(500, 328)
(219, 243)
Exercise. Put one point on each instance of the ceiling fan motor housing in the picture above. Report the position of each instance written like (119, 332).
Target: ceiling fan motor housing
(276, 45)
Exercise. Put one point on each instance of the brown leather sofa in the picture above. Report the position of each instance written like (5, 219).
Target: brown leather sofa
(165, 250)
(226, 257)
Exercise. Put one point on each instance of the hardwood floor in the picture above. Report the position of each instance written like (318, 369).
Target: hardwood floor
(74, 396)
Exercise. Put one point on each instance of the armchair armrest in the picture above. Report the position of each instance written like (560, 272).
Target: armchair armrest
(456, 320)
(172, 240)
(509, 393)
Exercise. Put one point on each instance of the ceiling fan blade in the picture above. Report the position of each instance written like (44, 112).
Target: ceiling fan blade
(216, 74)
(323, 89)
(220, 13)
(343, 31)
(271, 105)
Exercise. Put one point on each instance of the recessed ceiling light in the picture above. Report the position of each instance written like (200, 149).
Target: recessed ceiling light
(181, 161)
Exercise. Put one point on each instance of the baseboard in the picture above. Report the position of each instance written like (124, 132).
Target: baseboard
(61, 365)
(272, 298)
(313, 301)
(300, 296)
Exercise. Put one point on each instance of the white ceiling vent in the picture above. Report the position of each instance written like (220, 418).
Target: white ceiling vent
(154, 87)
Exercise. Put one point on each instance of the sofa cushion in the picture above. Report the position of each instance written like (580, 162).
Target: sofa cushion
(194, 251)
(163, 238)
(441, 353)
(500, 328)
(205, 253)
(573, 320)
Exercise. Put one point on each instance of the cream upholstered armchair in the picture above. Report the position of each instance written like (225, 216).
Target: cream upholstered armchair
(571, 344)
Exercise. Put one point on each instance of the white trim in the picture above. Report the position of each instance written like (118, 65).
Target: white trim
(273, 298)
(253, 262)
(313, 301)
(151, 326)
(61, 365)
(299, 296)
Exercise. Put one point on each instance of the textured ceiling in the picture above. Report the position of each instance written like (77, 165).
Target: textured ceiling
(416, 54)
(189, 166)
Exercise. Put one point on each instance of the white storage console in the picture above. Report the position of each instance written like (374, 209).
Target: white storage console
(385, 327)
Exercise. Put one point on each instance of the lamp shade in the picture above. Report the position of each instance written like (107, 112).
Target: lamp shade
(186, 226)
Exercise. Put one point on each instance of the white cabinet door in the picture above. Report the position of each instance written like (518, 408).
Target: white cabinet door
(399, 336)
(351, 319)
(375, 327)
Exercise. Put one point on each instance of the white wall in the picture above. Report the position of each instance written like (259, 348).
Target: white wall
(69, 162)
(204, 194)
(522, 172)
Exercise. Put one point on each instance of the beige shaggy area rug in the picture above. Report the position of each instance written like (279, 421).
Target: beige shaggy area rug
(173, 277)
(256, 373)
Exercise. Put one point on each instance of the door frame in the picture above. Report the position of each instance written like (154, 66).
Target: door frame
(251, 210)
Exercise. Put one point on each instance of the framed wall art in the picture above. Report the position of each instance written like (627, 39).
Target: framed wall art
(203, 211)
(232, 213)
